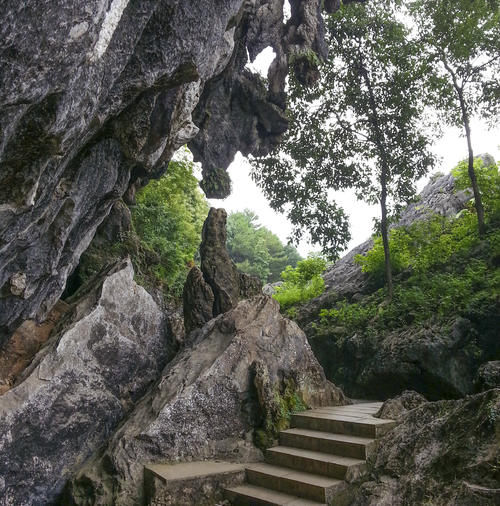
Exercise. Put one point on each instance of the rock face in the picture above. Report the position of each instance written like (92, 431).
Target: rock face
(398, 407)
(219, 285)
(488, 375)
(442, 453)
(105, 352)
(205, 405)
(96, 96)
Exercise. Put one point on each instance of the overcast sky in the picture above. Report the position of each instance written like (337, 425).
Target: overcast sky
(451, 148)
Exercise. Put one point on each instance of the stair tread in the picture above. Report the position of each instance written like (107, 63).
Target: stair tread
(342, 418)
(331, 436)
(272, 496)
(291, 474)
(324, 457)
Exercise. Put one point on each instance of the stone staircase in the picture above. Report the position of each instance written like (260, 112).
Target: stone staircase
(326, 448)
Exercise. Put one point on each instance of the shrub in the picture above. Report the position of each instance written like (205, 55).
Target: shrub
(301, 283)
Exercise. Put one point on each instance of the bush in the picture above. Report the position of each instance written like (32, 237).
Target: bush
(301, 283)
(168, 219)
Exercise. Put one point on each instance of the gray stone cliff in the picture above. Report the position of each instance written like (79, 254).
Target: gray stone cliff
(96, 96)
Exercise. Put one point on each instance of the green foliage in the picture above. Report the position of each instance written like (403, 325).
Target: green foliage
(168, 219)
(461, 41)
(488, 179)
(301, 283)
(449, 270)
(359, 126)
(166, 231)
(432, 243)
(255, 249)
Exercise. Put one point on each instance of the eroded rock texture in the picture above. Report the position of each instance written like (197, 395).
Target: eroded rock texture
(105, 352)
(95, 97)
(218, 286)
(205, 405)
(442, 453)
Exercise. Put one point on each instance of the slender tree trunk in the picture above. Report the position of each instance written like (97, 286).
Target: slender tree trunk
(385, 237)
(478, 203)
(379, 140)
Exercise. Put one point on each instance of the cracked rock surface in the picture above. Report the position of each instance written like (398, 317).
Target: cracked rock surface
(96, 96)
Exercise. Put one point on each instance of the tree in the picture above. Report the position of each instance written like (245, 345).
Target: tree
(359, 126)
(255, 249)
(462, 42)
(168, 219)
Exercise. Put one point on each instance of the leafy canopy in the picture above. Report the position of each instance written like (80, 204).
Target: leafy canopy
(362, 118)
(168, 219)
(461, 41)
(255, 249)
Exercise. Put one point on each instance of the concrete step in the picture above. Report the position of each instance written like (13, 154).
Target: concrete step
(334, 466)
(340, 423)
(337, 444)
(309, 486)
(252, 495)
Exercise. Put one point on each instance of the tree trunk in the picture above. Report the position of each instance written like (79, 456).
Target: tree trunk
(384, 174)
(385, 237)
(478, 203)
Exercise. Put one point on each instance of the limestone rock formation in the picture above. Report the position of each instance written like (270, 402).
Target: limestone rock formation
(488, 375)
(442, 453)
(396, 408)
(205, 405)
(24, 344)
(105, 352)
(95, 97)
(219, 285)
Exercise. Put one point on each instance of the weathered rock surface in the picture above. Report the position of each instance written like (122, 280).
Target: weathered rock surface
(442, 453)
(205, 405)
(219, 286)
(110, 346)
(95, 97)
(398, 407)
(488, 375)
(24, 345)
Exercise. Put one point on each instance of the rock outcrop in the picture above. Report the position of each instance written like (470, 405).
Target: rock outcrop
(205, 405)
(442, 453)
(96, 96)
(102, 356)
(219, 285)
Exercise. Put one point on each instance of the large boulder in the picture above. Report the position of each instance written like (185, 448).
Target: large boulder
(442, 453)
(438, 360)
(206, 404)
(105, 352)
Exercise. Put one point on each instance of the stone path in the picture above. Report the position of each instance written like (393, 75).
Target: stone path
(324, 450)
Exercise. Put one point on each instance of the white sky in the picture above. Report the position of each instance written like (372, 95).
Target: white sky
(451, 148)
